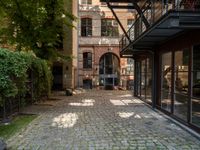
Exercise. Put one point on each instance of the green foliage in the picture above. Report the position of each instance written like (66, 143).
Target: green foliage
(14, 69)
(35, 25)
(42, 78)
(16, 125)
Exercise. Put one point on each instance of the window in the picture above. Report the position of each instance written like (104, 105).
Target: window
(87, 60)
(166, 81)
(196, 86)
(130, 23)
(86, 27)
(181, 83)
(109, 27)
(86, 2)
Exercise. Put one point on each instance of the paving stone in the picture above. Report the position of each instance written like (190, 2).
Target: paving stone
(94, 120)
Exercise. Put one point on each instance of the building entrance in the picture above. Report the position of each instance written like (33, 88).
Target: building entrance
(109, 71)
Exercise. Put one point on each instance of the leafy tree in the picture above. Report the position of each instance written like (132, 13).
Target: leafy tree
(34, 25)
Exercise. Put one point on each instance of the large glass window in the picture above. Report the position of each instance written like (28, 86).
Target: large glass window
(87, 60)
(86, 27)
(138, 78)
(181, 84)
(166, 81)
(109, 27)
(196, 86)
(143, 79)
(149, 81)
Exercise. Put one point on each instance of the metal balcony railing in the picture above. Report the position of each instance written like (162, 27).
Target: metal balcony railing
(153, 13)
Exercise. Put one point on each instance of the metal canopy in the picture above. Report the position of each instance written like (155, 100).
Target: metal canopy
(167, 27)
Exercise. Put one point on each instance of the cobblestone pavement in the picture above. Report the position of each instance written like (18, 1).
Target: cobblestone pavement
(100, 120)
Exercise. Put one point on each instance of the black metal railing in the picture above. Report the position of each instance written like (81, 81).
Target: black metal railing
(153, 12)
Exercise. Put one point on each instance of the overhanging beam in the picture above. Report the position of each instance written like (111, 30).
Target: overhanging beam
(122, 7)
(120, 24)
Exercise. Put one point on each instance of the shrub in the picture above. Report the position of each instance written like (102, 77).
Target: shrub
(14, 68)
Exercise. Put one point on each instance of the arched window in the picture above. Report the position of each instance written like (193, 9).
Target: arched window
(87, 60)
(86, 27)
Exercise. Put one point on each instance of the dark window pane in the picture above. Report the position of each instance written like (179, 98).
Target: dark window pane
(87, 84)
(87, 60)
(196, 111)
(196, 86)
(86, 27)
(196, 58)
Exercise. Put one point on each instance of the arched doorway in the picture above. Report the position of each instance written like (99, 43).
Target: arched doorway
(109, 71)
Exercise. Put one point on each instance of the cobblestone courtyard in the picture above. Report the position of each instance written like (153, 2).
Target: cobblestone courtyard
(100, 120)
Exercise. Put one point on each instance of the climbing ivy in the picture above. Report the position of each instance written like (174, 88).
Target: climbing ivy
(14, 75)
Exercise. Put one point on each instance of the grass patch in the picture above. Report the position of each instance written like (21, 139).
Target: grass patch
(19, 122)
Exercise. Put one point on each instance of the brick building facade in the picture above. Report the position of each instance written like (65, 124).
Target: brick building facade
(99, 62)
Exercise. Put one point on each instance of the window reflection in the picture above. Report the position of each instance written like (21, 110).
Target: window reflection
(181, 84)
(166, 81)
(196, 86)
(143, 81)
(149, 81)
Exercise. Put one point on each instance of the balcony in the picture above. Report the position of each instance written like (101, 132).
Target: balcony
(166, 20)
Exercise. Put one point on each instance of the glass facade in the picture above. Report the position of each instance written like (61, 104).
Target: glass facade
(177, 85)
(196, 86)
(144, 80)
(149, 81)
(181, 84)
(166, 81)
